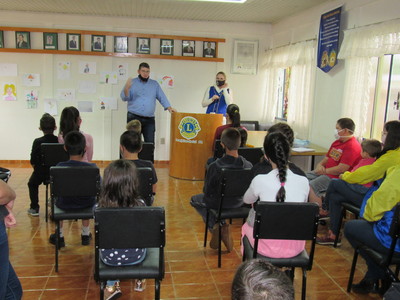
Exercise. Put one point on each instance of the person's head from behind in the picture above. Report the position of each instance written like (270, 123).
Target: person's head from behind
(144, 71)
(391, 135)
(243, 136)
(70, 120)
(233, 115)
(131, 142)
(344, 128)
(277, 151)
(285, 129)
(47, 124)
(259, 280)
(75, 144)
(230, 139)
(134, 125)
(120, 185)
(370, 148)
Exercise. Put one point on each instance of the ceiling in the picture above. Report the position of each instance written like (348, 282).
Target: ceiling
(254, 11)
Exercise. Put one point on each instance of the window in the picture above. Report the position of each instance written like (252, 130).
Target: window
(283, 94)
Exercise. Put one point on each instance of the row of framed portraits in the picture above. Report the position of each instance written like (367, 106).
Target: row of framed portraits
(98, 44)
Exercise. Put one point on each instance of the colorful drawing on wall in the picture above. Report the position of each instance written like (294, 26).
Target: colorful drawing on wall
(31, 79)
(108, 77)
(167, 81)
(63, 70)
(66, 94)
(122, 71)
(50, 106)
(87, 67)
(108, 103)
(9, 92)
(31, 97)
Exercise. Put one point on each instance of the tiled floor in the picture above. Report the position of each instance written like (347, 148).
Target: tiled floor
(191, 270)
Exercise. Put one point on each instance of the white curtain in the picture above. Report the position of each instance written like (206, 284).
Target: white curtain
(301, 58)
(359, 48)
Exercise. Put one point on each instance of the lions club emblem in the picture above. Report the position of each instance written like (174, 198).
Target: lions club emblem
(189, 127)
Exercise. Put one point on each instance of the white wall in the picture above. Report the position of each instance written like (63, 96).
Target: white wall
(19, 125)
(329, 86)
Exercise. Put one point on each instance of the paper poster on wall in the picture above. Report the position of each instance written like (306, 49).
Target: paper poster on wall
(63, 70)
(31, 79)
(108, 77)
(65, 94)
(50, 106)
(9, 70)
(167, 81)
(122, 71)
(85, 106)
(31, 97)
(108, 103)
(87, 87)
(87, 67)
(9, 91)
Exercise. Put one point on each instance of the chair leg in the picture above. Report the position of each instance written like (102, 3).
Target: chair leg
(47, 203)
(304, 285)
(353, 268)
(206, 231)
(57, 241)
(339, 227)
(219, 244)
(101, 290)
(157, 289)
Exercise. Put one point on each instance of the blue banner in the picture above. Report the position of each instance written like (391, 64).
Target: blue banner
(328, 41)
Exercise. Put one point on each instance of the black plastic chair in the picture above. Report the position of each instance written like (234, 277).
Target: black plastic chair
(233, 185)
(218, 150)
(146, 185)
(52, 154)
(285, 221)
(384, 260)
(346, 206)
(5, 174)
(126, 228)
(253, 155)
(147, 152)
(72, 182)
(250, 125)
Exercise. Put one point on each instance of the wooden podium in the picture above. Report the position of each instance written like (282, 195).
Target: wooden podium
(192, 137)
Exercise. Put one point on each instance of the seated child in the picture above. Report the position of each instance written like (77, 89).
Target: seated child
(130, 146)
(340, 191)
(74, 143)
(40, 172)
(230, 141)
(134, 125)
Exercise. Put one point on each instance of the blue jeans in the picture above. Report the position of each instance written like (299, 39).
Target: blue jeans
(338, 192)
(10, 287)
(148, 126)
(361, 232)
(197, 201)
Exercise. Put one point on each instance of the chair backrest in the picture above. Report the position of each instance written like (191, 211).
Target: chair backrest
(131, 227)
(253, 155)
(74, 181)
(53, 153)
(146, 184)
(218, 150)
(234, 183)
(147, 152)
(250, 125)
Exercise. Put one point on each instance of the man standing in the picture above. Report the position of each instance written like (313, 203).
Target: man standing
(141, 94)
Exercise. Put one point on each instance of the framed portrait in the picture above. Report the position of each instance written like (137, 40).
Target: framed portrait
(166, 47)
(188, 48)
(209, 49)
(121, 44)
(74, 41)
(98, 43)
(50, 41)
(143, 45)
(1, 39)
(245, 57)
(22, 40)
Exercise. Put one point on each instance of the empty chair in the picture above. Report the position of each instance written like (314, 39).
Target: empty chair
(250, 125)
(125, 228)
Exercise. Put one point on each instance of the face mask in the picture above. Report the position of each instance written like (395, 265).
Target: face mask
(142, 78)
(337, 136)
(220, 82)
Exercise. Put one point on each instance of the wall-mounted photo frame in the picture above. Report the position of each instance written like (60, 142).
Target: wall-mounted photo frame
(209, 49)
(22, 40)
(1, 39)
(143, 45)
(98, 43)
(245, 57)
(166, 47)
(50, 41)
(74, 41)
(188, 48)
(121, 44)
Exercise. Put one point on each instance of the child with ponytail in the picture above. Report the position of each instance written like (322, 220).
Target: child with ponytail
(280, 185)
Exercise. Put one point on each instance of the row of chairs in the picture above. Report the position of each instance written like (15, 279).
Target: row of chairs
(253, 155)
